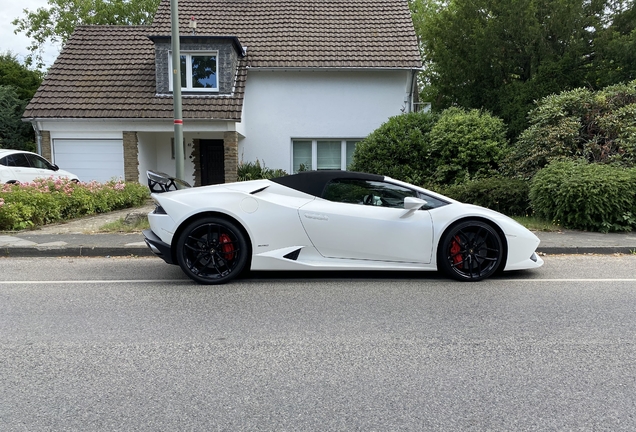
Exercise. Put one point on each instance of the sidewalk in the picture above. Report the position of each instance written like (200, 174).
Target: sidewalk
(79, 238)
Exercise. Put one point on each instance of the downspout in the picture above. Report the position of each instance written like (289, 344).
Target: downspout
(411, 90)
(38, 136)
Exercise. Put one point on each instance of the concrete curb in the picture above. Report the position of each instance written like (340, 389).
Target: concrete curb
(581, 250)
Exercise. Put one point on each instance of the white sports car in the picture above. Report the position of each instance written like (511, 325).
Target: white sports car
(332, 220)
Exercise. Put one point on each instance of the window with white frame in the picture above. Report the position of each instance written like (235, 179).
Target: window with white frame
(198, 71)
(327, 154)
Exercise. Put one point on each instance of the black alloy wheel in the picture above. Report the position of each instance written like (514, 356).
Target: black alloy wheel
(212, 251)
(470, 251)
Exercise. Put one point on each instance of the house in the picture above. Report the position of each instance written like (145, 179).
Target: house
(292, 83)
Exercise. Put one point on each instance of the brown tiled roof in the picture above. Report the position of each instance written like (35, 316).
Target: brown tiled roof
(109, 71)
(306, 33)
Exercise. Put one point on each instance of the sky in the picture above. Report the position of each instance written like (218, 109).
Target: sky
(18, 44)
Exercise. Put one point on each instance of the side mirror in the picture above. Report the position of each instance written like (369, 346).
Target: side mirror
(56, 168)
(412, 203)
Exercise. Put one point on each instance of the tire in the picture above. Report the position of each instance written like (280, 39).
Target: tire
(470, 251)
(212, 251)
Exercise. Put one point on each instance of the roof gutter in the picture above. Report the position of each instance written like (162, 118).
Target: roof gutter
(331, 68)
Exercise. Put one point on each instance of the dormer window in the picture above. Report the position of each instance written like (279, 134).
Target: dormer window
(208, 64)
(198, 71)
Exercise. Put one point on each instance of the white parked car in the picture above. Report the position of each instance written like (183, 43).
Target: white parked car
(18, 166)
(332, 220)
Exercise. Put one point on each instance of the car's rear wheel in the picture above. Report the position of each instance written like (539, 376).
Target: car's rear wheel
(470, 251)
(212, 250)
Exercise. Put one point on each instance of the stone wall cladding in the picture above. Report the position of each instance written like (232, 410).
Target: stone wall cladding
(46, 145)
(226, 63)
(230, 149)
(196, 160)
(131, 157)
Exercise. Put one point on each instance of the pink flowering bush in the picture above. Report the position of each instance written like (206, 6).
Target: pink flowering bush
(48, 200)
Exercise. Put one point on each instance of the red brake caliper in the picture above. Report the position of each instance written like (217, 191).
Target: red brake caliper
(226, 246)
(455, 249)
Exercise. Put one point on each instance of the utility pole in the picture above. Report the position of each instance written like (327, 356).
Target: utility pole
(176, 91)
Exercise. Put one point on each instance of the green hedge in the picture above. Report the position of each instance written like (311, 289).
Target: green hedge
(507, 196)
(256, 171)
(46, 200)
(592, 197)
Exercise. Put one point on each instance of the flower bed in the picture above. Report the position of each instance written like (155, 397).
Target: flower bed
(48, 200)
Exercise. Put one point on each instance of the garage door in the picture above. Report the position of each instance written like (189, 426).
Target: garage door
(94, 159)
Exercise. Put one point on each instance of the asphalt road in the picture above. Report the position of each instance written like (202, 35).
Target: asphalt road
(130, 344)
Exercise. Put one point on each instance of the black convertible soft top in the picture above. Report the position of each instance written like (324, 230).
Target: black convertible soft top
(314, 182)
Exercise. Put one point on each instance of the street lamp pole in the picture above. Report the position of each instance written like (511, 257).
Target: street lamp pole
(176, 91)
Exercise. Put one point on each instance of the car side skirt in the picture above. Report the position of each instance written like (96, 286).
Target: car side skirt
(308, 258)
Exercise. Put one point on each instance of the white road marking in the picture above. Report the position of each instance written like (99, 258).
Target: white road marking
(564, 280)
(103, 281)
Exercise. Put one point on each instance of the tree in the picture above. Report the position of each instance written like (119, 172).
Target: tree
(503, 55)
(18, 84)
(22, 79)
(14, 133)
(57, 22)
(616, 46)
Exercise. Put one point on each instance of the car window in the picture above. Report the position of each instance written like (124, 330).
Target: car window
(367, 192)
(3, 161)
(432, 202)
(17, 160)
(38, 162)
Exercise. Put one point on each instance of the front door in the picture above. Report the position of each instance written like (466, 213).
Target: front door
(212, 162)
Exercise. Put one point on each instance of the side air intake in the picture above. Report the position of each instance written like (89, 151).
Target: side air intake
(293, 255)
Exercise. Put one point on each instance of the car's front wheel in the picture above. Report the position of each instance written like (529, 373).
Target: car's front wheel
(470, 251)
(212, 250)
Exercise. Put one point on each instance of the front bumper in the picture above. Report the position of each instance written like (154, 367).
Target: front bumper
(159, 248)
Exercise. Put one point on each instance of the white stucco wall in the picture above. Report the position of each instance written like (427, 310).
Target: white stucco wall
(155, 153)
(284, 105)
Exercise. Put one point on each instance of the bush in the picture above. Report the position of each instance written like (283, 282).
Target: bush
(508, 196)
(579, 124)
(592, 197)
(399, 148)
(46, 200)
(424, 148)
(254, 171)
(466, 145)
